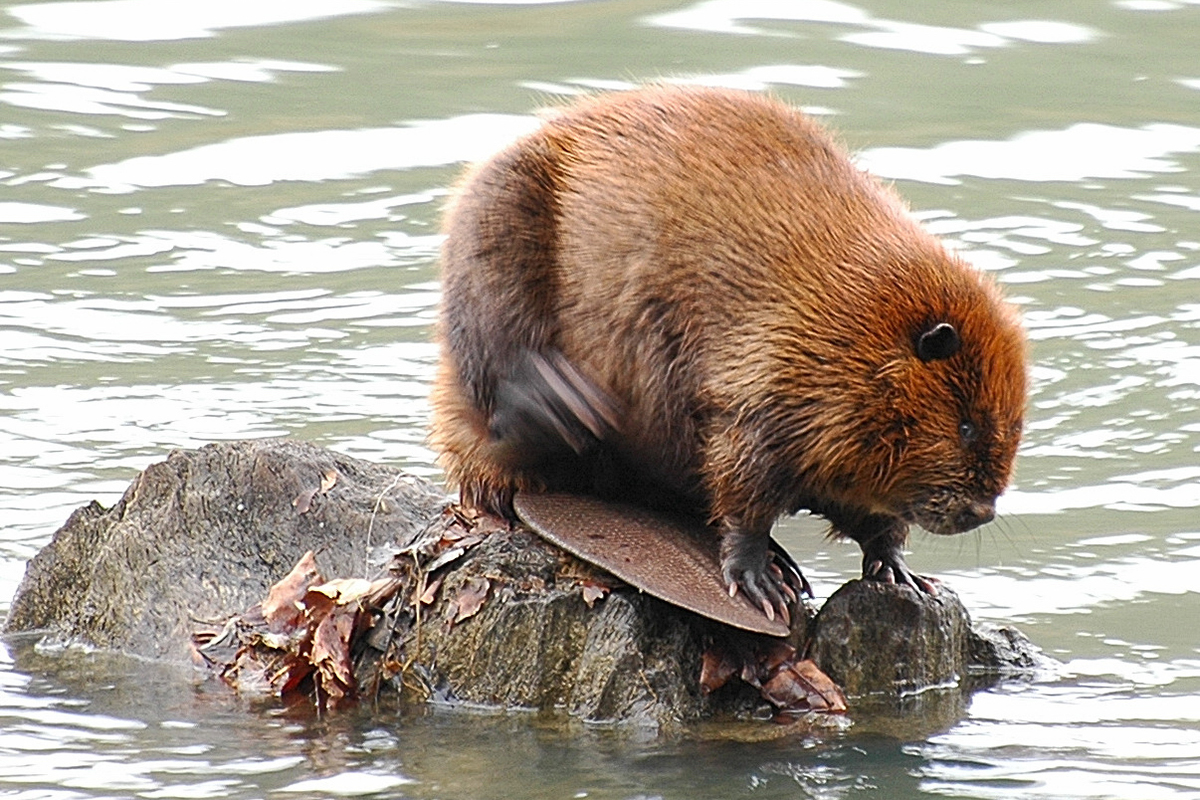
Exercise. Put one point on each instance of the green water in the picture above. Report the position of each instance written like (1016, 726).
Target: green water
(219, 220)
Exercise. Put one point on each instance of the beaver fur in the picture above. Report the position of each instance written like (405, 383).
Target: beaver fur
(691, 297)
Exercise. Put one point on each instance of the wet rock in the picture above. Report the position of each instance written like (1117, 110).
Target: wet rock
(203, 535)
(884, 639)
(536, 644)
(1002, 650)
(469, 612)
(200, 538)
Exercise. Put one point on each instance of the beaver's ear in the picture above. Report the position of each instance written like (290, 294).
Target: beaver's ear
(939, 342)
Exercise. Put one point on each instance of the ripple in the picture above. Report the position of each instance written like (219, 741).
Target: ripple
(1083, 151)
(123, 78)
(755, 79)
(1065, 742)
(150, 20)
(313, 155)
(343, 214)
(347, 784)
(88, 100)
(1041, 31)
(1115, 494)
(12, 212)
(727, 16)
(760, 78)
(273, 250)
(931, 39)
(1081, 579)
(723, 16)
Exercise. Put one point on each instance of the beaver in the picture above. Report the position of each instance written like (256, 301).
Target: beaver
(691, 297)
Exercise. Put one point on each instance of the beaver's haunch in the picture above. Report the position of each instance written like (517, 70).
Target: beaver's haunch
(692, 297)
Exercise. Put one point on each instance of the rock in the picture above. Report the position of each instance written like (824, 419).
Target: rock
(1002, 650)
(200, 538)
(536, 644)
(461, 611)
(203, 535)
(884, 639)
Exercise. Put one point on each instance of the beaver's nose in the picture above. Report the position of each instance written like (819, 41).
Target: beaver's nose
(974, 515)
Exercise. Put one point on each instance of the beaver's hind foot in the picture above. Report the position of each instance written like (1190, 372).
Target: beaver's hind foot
(768, 577)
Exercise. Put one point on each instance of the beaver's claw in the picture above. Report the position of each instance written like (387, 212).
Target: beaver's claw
(888, 566)
(773, 584)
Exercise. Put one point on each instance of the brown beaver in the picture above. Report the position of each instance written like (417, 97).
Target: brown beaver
(693, 298)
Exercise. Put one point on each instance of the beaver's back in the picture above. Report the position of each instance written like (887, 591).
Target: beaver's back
(711, 243)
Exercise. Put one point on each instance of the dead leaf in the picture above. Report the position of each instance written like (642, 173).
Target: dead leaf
(281, 609)
(453, 554)
(303, 501)
(261, 671)
(331, 651)
(430, 593)
(717, 666)
(453, 534)
(776, 652)
(488, 523)
(750, 675)
(801, 686)
(317, 606)
(343, 591)
(593, 591)
(471, 597)
(382, 590)
(469, 541)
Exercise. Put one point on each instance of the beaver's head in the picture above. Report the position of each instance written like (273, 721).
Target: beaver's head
(952, 403)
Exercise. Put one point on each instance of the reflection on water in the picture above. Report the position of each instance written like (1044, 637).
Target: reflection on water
(151, 21)
(219, 220)
(311, 156)
(1084, 151)
(728, 16)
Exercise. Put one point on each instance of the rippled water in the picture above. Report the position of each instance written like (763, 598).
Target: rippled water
(219, 220)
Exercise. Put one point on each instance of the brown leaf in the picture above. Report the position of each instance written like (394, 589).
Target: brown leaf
(331, 651)
(343, 591)
(487, 523)
(261, 671)
(289, 672)
(757, 657)
(430, 593)
(382, 590)
(776, 652)
(801, 686)
(317, 606)
(593, 591)
(750, 675)
(303, 501)
(469, 541)
(452, 534)
(717, 666)
(198, 659)
(471, 597)
(281, 609)
(445, 557)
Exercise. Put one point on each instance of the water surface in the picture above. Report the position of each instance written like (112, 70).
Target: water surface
(219, 221)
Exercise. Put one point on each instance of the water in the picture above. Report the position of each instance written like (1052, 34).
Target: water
(219, 220)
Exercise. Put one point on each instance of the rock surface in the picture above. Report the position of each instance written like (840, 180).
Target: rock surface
(203, 535)
(483, 616)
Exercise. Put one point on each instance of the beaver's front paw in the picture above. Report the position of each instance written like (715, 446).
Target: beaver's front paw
(887, 564)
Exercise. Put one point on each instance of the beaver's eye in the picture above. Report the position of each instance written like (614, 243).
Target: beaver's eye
(966, 430)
